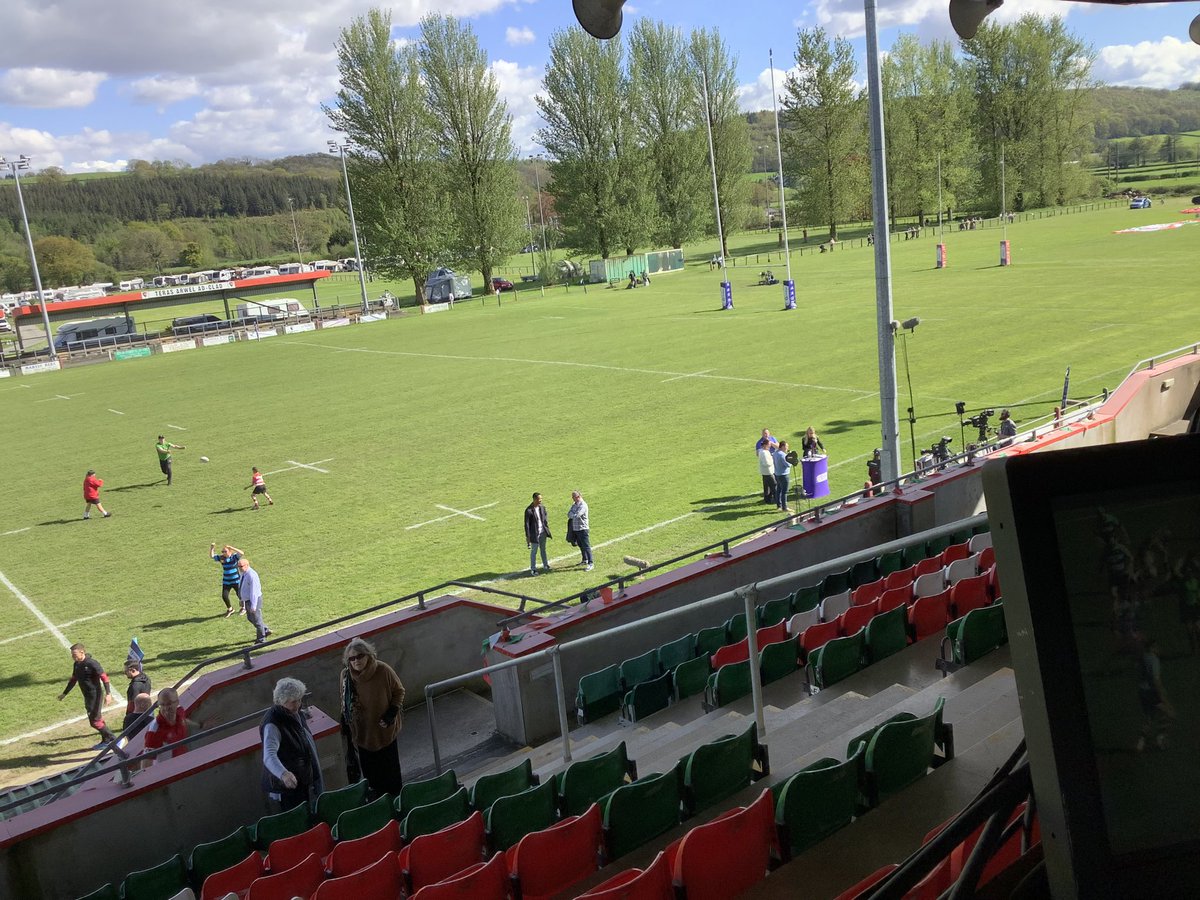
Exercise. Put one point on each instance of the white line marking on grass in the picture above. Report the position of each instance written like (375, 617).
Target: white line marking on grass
(692, 375)
(177, 427)
(35, 633)
(580, 365)
(16, 531)
(453, 513)
(117, 411)
(32, 734)
(55, 397)
(41, 616)
(313, 466)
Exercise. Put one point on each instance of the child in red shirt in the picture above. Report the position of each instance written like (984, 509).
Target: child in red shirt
(91, 494)
(260, 487)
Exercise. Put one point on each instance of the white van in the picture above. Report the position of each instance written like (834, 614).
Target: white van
(95, 333)
(282, 308)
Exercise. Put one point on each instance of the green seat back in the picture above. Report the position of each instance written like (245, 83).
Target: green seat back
(980, 632)
(158, 883)
(728, 683)
(422, 793)
(332, 804)
(935, 546)
(982, 528)
(435, 816)
(217, 855)
(640, 668)
(648, 697)
(962, 536)
(892, 561)
(691, 676)
(584, 782)
(107, 892)
(675, 652)
(639, 812)
(835, 583)
(599, 694)
(818, 800)
(364, 820)
(710, 640)
(778, 660)
(285, 824)
(838, 659)
(913, 554)
(864, 572)
(887, 633)
(718, 769)
(735, 628)
(775, 611)
(512, 817)
(900, 753)
(489, 788)
(806, 598)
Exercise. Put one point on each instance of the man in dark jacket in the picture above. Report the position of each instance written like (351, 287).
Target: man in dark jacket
(537, 530)
(95, 687)
(139, 683)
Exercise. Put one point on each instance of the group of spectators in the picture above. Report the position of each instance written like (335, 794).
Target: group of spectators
(239, 578)
(775, 467)
(537, 531)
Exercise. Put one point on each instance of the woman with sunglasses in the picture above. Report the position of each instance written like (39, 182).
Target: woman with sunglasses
(372, 703)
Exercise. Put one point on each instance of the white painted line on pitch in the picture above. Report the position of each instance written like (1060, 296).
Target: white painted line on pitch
(41, 616)
(16, 531)
(55, 397)
(29, 634)
(117, 411)
(177, 427)
(32, 734)
(692, 375)
(313, 466)
(578, 365)
(453, 513)
(631, 534)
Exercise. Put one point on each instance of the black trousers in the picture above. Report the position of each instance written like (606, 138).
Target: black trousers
(225, 589)
(381, 768)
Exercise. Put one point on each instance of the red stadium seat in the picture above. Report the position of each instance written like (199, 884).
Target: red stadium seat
(378, 881)
(350, 856)
(482, 881)
(732, 653)
(895, 597)
(927, 565)
(431, 858)
(929, 615)
(856, 617)
(284, 853)
(234, 880)
(969, 594)
(815, 636)
(865, 593)
(772, 634)
(903, 578)
(955, 551)
(551, 860)
(863, 887)
(729, 855)
(300, 880)
(651, 883)
(987, 559)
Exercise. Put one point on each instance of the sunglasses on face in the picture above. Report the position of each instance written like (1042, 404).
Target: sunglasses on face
(356, 656)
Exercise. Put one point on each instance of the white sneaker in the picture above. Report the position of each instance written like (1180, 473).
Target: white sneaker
(87, 515)
(588, 567)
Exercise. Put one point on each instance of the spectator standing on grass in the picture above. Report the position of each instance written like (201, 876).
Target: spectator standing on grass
(372, 708)
(250, 590)
(291, 773)
(164, 448)
(260, 487)
(231, 580)
(577, 516)
(91, 494)
(537, 531)
(139, 683)
(170, 725)
(783, 475)
(94, 686)
(766, 466)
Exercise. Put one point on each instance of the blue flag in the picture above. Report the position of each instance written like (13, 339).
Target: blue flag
(135, 650)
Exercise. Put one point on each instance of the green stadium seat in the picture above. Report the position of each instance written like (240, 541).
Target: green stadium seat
(639, 812)
(332, 804)
(892, 561)
(599, 694)
(727, 684)
(280, 825)
(159, 882)
(778, 660)
(217, 855)
(426, 791)
(935, 546)
(107, 892)
(584, 782)
(864, 572)
(691, 677)
(837, 659)
(363, 820)
(639, 669)
(675, 652)
(887, 633)
(817, 801)
(835, 583)
(901, 752)
(774, 611)
(806, 598)
(489, 788)
(735, 628)
(513, 816)
(974, 635)
(914, 553)
(982, 528)
(435, 816)
(962, 536)
(648, 697)
(721, 768)
(863, 738)
(710, 640)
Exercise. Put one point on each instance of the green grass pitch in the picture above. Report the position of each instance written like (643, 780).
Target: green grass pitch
(647, 400)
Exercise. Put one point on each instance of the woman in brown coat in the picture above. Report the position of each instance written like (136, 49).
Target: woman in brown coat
(372, 703)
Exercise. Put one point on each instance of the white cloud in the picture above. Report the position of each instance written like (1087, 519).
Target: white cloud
(928, 18)
(515, 37)
(49, 88)
(756, 95)
(161, 91)
(519, 86)
(1156, 64)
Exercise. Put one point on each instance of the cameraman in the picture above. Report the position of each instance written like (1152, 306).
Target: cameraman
(1007, 430)
(874, 470)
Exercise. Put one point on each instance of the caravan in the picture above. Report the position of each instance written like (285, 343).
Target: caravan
(268, 310)
(95, 333)
(443, 285)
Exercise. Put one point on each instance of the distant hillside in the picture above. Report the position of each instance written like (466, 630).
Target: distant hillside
(1136, 112)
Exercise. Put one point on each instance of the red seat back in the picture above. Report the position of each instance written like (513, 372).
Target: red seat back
(987, 559)
(863, 887)
(818, 635)
(865, 593)
(284, 853)
(482, 881)
(729, 855)
(955, 551)
(301, 880)
(651, 883)
(969, 594)
(772, 634)
(731, 653)
(927, 565)
(895, 597)
(378, 881)
(900, 579)
(350, 856)
(234, 880)
(929, 615)
(433, 857)
(856, 617)
(551, 860)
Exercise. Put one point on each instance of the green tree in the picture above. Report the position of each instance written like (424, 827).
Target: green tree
(192, 255)
(825, 138)
(397, 177)
(145, 248)
(63, 261)
(15, 274)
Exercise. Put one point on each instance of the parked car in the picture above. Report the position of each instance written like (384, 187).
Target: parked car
(530, 248)
(1139, 203)
(501, 284)
(186, 325)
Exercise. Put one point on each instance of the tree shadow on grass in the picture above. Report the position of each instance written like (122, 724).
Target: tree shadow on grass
(732, 498)
(732, 515)
(489, 576)
(230, 509)
(198, 654)
(26, 679)
(171, 623)
(132, 487)
(839, 426)
(43, 760)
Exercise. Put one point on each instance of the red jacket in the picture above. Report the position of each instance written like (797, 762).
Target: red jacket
(91, 488)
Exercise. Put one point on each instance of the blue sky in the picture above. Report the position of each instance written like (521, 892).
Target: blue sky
(89, 86)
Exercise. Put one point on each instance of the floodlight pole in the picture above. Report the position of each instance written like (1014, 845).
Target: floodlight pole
(537, 181)
(787, 253)
(712, 160)
(1003, 196)
(941, 223)
(295, 231)
(889, 457)
(15, 166)
(340, 148)
(529, 228)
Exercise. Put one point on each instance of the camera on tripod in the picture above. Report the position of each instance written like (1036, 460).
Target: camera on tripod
(980, 422)
(936, 456)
